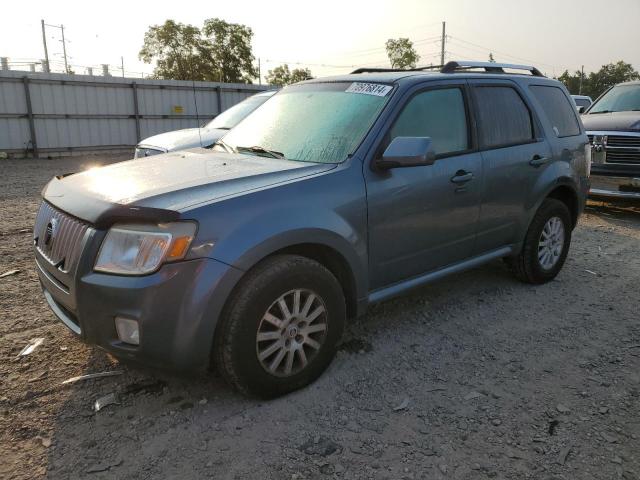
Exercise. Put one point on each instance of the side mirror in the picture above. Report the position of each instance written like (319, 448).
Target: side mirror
(407, 152)
(581, 109)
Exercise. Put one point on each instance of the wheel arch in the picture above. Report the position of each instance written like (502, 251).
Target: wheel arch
(333, 261)
(569, 196)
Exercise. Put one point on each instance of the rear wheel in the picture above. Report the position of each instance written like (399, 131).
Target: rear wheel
(281, 327)
(546, 244)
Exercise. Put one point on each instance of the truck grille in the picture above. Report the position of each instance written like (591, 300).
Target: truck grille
(618, 149)
(621, 156)
(623, 141)
(58, 237)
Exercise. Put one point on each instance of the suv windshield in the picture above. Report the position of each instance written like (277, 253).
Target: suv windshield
(232, 116)
(621, 98)
(315, 122)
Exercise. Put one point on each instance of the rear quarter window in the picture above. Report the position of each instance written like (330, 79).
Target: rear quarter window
(558, 110)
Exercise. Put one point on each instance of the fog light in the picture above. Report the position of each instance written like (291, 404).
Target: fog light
(128, 330)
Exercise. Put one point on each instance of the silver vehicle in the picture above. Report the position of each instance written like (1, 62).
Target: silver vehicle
(204, 136)
(582, 102)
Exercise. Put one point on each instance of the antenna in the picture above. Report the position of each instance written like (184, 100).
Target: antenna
(195, 102)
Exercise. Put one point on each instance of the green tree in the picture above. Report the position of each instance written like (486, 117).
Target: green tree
(220, 51)
(281, 75)
(610, 75)
(178, 51)
(230, 47)
(595, 83)
(572, 82)
(401, 53)
(300, 75)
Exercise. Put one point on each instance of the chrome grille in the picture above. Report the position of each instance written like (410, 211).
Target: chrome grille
(58, 237)
(622, 156)
(623, 141)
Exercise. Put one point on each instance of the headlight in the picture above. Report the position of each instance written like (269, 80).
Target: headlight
(138, 249)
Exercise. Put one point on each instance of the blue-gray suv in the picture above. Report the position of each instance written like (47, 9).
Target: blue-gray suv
(336, 194)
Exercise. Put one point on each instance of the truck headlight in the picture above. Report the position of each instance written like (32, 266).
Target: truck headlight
(138, 249)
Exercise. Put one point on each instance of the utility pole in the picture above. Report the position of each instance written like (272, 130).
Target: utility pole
(122, 65)
(443, 41)
(46, 53)
(64, 50)
(581, 77)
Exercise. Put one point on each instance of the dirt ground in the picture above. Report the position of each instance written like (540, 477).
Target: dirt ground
(475, 377)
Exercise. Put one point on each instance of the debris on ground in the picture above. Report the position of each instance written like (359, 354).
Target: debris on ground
(105, 401)
(404, 404)
(564, 453)
(9, 273)
(104, 466)
(33, 344)
(89, 376)
(320, 445)
(472, 395)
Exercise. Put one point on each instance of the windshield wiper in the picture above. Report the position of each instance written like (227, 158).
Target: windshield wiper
(600, 111)
(258, 149)
(226, 146)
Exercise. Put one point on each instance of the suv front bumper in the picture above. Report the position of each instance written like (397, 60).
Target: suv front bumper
(176, 309)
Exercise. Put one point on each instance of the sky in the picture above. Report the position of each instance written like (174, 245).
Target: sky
(337, 36)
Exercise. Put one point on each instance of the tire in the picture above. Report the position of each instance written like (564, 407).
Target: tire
(254, 308)
(527, 266)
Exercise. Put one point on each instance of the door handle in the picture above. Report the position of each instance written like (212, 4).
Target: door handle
(462, 176)
(538, 160)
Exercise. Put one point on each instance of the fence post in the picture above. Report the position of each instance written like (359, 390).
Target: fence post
(32, 127)
(219, 93)
(136, 110)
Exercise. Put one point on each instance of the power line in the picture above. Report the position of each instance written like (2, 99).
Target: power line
(458, 39)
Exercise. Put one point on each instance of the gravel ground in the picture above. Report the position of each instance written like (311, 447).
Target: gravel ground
(475, 377)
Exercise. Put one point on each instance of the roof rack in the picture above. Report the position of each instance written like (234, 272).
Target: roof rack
(379, 70)
(459, 66)
(489, 67)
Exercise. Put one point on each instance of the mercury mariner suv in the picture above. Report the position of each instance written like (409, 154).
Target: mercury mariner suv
(336, 194)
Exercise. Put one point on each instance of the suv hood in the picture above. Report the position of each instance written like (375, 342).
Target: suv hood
(623, 121)
(186, 138)
(157, 187)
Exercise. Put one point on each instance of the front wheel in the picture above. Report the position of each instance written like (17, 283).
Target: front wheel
(546, 244)
(281, 326)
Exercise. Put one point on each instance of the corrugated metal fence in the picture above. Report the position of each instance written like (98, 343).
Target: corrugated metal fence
(49, 114)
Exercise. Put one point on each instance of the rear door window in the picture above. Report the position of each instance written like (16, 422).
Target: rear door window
(503, 117)
(439, 114)
(558, 110)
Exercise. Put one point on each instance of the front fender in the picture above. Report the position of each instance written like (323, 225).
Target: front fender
(327, 210)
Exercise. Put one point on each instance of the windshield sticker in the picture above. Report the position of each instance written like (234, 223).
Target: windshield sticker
(369, 89)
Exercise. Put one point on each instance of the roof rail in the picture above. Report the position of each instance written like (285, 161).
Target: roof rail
(489, 67)
(380, 70)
